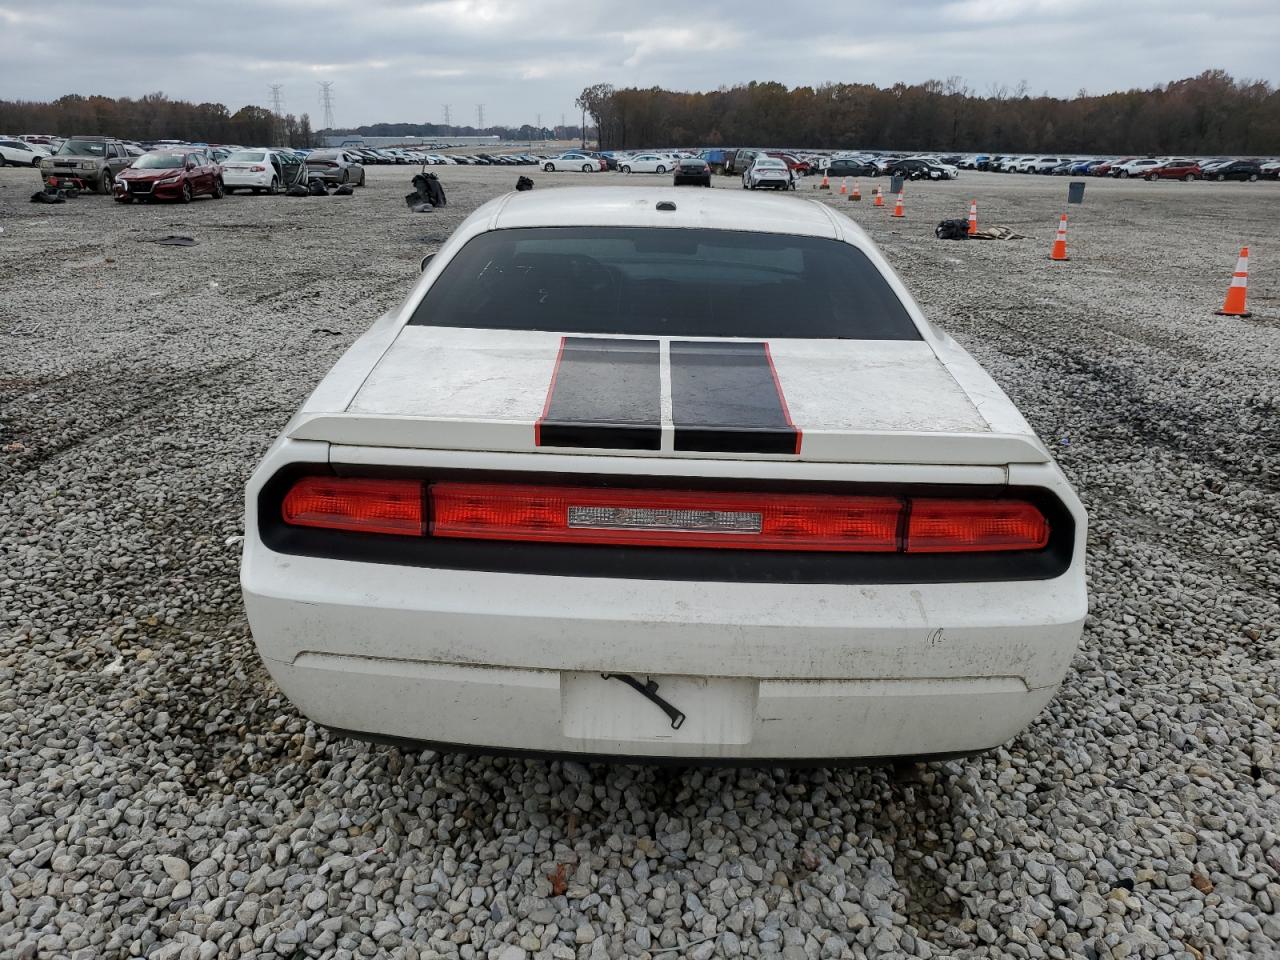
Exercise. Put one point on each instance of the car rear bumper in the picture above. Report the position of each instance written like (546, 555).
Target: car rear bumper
(514, 661)
(244, 178)
(485, 707)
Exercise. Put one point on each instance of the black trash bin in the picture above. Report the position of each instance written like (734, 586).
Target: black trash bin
(1075, 191)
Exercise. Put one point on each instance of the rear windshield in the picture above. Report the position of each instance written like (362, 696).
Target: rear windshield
(256, 156)
(665, 282)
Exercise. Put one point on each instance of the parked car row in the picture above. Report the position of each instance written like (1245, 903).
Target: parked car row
(1148, 168)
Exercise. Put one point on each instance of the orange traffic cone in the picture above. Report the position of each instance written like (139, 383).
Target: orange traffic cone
(973, 217)
(879, 202)
(1059, 251)
(844, 186)
(857, 194)
(1234, 304)
(897, 207)
(826, 184)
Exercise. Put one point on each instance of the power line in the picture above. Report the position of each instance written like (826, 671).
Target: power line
(326, 101)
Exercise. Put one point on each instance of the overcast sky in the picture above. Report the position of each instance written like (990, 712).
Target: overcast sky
(402, 60)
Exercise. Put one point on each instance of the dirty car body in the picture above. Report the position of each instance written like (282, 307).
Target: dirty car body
(683, 477)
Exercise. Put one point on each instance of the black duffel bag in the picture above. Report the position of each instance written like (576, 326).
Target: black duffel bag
(957, 229)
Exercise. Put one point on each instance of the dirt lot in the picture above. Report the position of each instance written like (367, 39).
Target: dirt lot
(158, 797)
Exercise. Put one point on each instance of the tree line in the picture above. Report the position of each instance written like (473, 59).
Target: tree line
(440, 131)
(154, 117)
(1208, 114)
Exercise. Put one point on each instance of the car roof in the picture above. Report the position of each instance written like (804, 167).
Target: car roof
(637, 206)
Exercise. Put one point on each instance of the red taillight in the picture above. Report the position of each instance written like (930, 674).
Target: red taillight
(972, 526)
(365, 506)
(660, 518)
(666, 518)
(257, 169)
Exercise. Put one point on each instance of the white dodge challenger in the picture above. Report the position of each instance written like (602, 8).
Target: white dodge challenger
(644, 474)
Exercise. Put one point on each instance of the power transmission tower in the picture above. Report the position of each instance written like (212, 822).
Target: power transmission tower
(447, 121)
(277, 111)
(480, 116)
(326, 102)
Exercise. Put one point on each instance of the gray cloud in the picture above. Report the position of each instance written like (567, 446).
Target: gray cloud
(396, 60)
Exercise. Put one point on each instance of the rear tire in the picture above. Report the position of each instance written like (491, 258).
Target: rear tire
(1221, 177)
(661, 169)
(218, 191)
(346, 175)
(361, 183)
(1152, 178)
(1188, 178)
(274, 188)
(549, 168)
(587, 168)
(1253, 177)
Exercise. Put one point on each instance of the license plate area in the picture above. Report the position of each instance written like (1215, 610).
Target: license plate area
(717, 710)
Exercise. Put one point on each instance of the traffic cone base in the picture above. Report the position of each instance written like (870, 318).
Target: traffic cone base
(826, 183)
(856, 194)
(1234, 305)
(1059, 251)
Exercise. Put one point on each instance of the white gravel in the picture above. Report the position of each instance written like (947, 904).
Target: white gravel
(159, 798)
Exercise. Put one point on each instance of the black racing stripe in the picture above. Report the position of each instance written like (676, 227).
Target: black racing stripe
(725, 398)
(605, 393)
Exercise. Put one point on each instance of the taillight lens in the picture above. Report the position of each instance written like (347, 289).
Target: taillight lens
(666, 518)
(971, 526)
(364, 506)
(739, 521)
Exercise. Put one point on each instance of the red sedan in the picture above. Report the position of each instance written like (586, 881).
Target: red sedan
(169, 175)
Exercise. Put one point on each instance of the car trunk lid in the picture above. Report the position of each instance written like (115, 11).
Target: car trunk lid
(533, 391)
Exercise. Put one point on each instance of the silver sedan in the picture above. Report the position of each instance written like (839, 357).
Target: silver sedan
(335, 166)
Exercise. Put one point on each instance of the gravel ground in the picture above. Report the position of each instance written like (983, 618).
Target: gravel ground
(159, 797)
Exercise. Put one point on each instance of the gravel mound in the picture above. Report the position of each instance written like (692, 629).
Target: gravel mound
(159, 798)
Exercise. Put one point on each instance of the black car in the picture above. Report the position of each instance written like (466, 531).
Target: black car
(916, 170)
(852, 168)
(693, 170)
(1236, 170)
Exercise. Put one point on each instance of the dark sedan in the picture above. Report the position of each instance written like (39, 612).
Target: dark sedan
(852, 168)
(692, 170)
